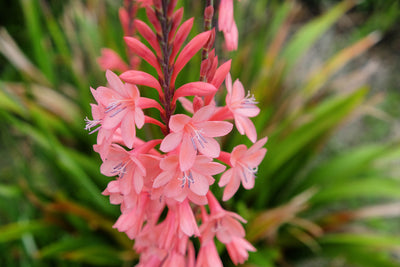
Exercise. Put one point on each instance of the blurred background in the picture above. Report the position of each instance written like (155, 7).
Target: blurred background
(326, 75)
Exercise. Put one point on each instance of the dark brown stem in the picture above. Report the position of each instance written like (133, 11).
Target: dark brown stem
(167, 69)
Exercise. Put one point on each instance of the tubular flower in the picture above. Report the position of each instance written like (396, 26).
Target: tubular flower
(244, 164)
(242, 108)
(195, 134)
(192, 183)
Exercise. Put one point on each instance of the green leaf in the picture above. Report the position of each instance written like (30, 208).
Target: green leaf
(15, 231)
(371, 187)
(41, 51)
(321, 120)
(308, 34)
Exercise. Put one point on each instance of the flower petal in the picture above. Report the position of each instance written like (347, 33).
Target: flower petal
(215, 128)
(178, 121)
(187, 155)
(210, 147)
(171, 141)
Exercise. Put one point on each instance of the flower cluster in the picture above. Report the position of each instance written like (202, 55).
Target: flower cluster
(163, 185)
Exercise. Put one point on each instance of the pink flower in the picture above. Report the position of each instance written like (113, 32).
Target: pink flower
(121, 107)
(192, 183)
(238, 249)
(110, 60)
(129, 166)
(242, 108)
(222, 223)
(244, 164)
(194, 134)
(208, 256)
(227, 25)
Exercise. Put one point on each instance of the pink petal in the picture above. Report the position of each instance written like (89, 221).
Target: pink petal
(171, 141)
(187, 221)
(169, 162)
(232, 38)
(200, 185)
(245, 125)
(238, 91)
(162, 179)
(228, 83)
(226, 177)
(176, 20)
(215, 128)
(221, 73)
(115, 82)
(259, 144)
(137, 181)
(128, 129)
(203, 114)
(114, 119)
(148, 34)
(126, 183)
(189, 51)
(187, 155)
(210, 147)
(105, 96)
(144, 52)
(231, 187)
(196, 199)
(256, 158)
(178, 122)
(181, 36)
(247, 181)
(238, 152)
(141, 78)
(109, 59)
(225, 19)
(139, 117)
(194, 88)
(153, 19)
(186, 104)
(145, 102)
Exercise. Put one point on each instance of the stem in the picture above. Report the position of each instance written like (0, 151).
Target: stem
(208, 18)
(166, 49)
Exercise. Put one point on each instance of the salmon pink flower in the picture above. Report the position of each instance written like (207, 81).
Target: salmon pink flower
(130, 166)
(244, 164)
(208, 256)
(238, 249)
(242, 108)
(222, 223)
(122, 110)
(192, 183)
(195, 134)
(227, 25)
(110, 60)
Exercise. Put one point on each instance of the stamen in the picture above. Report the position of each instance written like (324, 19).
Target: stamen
(249, 101)
(117, 111)
(187, 178)
(113, 106)
(92, 123)
(247, 170)
(120, 169)
(193, 143)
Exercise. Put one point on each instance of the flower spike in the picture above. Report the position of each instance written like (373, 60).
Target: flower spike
(164, 185)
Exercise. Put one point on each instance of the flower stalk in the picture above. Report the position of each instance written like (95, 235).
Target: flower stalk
(174, 174)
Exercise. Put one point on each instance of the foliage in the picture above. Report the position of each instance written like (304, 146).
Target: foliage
(307, 204)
